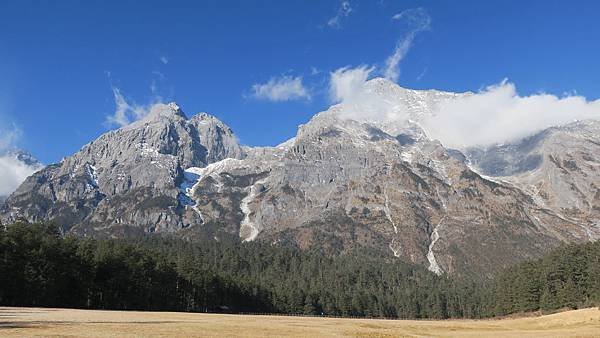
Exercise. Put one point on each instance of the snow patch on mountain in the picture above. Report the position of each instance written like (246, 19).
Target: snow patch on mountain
(433, 264)
(92, 172)
(191, 177)
(247, 224)
(395, 247)
(386, 209)
(146, 150)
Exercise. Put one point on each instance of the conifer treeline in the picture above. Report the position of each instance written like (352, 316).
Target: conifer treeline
(38, 267)
(568, 277)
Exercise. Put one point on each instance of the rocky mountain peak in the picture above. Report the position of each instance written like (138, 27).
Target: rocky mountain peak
(384, 85)
(24, 157)
(166, 110)
(160, 113)
(129, 176)
(204, 118)
(383, 105)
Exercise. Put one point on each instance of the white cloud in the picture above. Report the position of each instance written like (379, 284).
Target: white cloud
(120, 117)
(12, 171)
(498, 115)
(495, 115)
(157, 83)
(418, 20)
(343, 12)
(125, 112)
(362, 102)
(346, 84)
(164, 59)
(283, 88)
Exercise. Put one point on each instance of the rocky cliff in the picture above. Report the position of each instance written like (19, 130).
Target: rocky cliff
(128, 180)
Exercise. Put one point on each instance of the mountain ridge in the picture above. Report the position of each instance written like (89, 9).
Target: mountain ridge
(345, 181)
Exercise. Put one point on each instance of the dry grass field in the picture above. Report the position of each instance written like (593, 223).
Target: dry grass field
(41, 322)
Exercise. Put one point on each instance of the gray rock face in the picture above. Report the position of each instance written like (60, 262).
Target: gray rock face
(565, 176)
(509, 159)
(341, 183)
(127, 180)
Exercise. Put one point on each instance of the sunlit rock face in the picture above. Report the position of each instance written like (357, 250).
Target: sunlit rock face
(127, 181)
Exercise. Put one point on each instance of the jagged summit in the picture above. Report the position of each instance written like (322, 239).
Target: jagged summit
(162, 114)
(385, 86)
(206, 118)
(388, 106)
(383, 104)
(167, 110)
(127, 176)
(159, 113)
(382, 85)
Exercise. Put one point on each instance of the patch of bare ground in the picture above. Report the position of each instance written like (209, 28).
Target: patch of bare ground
(42, 322)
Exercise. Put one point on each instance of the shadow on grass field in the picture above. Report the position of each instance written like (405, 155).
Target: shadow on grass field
(38, 322)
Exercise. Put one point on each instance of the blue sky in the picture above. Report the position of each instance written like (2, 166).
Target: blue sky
(60, 61)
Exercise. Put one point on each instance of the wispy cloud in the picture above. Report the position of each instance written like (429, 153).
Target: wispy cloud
(346, 83)
(343, 12)
(126, 109)
(283, 88)
(158, 84)
(422, 74)
(8, 137)
(418, 21)
(126, 112)
(164, 59)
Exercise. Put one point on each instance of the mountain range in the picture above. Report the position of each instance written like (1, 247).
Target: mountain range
(342, 183)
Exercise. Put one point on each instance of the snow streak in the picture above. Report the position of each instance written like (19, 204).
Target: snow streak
(245, 207)
(433, 265)
(191, 177)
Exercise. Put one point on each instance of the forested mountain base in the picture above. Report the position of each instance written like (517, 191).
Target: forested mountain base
(39, 267)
